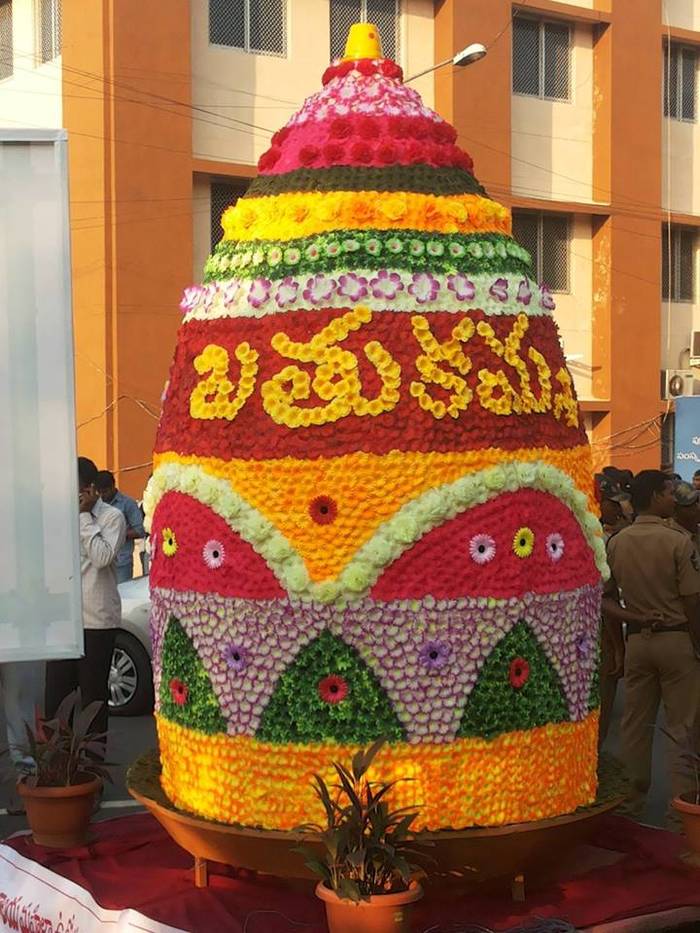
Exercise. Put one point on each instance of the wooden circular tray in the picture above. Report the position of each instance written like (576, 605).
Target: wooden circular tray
(478, 854)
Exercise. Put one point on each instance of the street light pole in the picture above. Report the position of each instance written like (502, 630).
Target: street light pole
(472, 53)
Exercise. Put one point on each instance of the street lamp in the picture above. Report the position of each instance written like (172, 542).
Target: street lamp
(472, 53)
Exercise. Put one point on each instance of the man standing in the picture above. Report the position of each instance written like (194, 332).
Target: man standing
(102, 534)
(696, 479)
(655, 574)
(614, 509)
(686, 514)
(134, 522)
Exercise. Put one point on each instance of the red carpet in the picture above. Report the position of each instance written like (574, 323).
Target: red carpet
(628, 871)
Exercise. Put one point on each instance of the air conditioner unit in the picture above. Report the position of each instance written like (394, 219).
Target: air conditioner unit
(695, 348)
(676, 382)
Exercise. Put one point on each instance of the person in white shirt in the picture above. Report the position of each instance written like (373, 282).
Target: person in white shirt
(102, 534)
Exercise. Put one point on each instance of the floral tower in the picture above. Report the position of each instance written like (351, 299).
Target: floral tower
(372, 497)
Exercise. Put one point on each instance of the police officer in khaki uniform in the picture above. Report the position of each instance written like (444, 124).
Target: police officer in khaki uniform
(655, 572)
(686, 513)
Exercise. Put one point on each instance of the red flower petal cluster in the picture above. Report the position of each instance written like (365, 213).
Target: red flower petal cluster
(179, 691)
(519, 673)
(333, 689)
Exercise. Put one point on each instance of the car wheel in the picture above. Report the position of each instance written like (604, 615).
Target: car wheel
(130, 678)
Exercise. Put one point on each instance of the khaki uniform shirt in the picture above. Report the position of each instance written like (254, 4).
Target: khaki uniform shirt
(102, 533)
(653, 564)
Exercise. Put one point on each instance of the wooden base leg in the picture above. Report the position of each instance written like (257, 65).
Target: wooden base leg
(201, 872)
(517, 888)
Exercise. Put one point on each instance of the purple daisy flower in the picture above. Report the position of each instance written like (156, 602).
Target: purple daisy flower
(319, 288)
(434, 654)
(424, 287)
(524, 295)
(499, 290)
(236, 658)
(190, 298)
(584, 646)
(259, 292)
(546, 299)
(462, 287)
(287, 291)
(386, 284)
(352, 286)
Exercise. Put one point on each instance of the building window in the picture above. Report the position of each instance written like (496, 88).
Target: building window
(679, 82)
(546, 237)
(5, 38)
(678, 263)
(541, 58)
(223, 195)
(385, 14)
(50, 29)
(256, 26)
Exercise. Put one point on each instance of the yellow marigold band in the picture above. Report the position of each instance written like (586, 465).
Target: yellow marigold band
(519, 776)
(288, 216)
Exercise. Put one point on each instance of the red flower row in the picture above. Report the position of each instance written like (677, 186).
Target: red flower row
(372, 141)
(366, 67)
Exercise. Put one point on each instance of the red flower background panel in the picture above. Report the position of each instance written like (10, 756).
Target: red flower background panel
(254, 435)
(242, 573)
(440, 564)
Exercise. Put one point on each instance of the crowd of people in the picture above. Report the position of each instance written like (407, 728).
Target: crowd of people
(651, 620)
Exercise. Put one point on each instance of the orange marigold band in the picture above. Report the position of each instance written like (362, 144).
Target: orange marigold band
(288, 216)
(519, 776)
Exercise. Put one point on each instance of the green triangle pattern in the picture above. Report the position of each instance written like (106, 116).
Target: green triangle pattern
(496, 706)
(182, 665)
(296, 711)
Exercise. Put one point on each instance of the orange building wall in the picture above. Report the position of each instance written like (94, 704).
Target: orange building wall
(626, 145)
(126, 84)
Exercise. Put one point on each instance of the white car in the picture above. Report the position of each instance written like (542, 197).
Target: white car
(131, 677)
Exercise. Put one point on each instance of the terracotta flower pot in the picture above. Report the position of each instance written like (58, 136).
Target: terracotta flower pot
(690, 815)
(59, 816)
(382, 913)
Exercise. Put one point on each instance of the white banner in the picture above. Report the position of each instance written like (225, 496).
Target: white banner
(36, 900)
(40, 614)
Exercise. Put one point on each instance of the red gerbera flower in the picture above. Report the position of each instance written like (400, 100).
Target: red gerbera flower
(179, 691)
(332, 689)
(519, 673)
(323, 510)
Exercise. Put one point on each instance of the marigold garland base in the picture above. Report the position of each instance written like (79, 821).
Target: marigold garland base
(470, 782)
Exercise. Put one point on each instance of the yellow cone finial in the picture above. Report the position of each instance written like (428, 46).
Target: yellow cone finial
(363, 42)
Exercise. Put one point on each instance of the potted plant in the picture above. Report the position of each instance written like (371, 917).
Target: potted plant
(367, 865)
(59, 792)
(688, 804)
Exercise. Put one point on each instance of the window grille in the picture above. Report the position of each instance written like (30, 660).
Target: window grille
(385, 14)
(541, 58)
(223, 195)
(50, 12)
(680, 67)
(546, 238)
(6, 67)
(678, 268)
(256, 26)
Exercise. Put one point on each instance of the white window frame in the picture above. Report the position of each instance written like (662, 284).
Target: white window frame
(673, 293)
(246, 47)
(542, 25)
(55, 7)
(681, 51)
(537, 260)
(9, 52)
